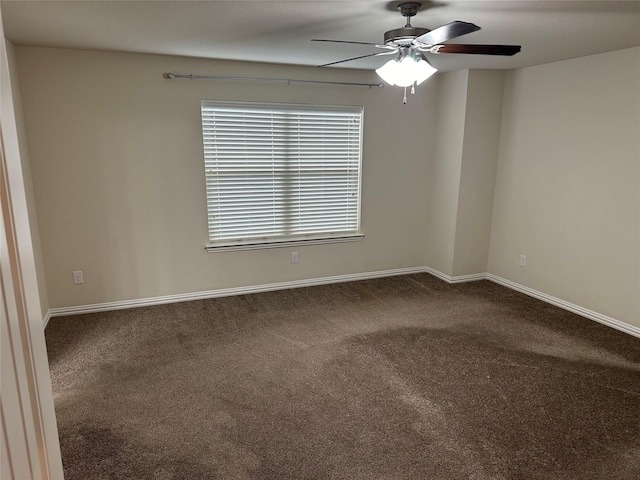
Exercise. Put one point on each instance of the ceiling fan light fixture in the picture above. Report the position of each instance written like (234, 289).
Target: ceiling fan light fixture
(406, 71)
(423, 70)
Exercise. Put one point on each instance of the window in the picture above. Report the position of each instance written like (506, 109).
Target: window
(281, 174)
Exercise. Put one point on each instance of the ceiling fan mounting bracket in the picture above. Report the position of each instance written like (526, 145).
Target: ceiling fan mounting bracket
(409, 9)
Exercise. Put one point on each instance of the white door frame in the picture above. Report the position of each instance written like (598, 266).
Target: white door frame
(30, 447)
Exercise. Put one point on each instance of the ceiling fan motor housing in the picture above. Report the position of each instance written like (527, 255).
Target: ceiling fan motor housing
(403, 36)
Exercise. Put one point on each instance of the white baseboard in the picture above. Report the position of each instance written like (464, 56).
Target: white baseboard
(226, 292)
(474, 277)
(577, 309)
(584, 312)
(45, 320)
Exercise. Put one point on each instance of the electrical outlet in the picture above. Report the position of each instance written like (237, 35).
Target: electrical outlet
(523, 260)
(294, 257)
(78, 277)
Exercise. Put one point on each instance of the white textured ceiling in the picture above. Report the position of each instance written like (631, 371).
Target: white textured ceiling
(280, 31)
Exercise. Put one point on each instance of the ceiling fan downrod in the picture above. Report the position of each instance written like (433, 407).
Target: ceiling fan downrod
(404, 36)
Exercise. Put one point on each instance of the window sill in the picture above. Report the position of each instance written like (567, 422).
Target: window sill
(285, 243)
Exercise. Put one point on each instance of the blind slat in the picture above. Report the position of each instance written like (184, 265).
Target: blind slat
(280, 171)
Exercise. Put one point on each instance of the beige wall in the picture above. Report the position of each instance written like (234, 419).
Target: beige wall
(443, 181)
(462, 171)
(116, 158)
(568, 182)
(550, 171)
(478, 171)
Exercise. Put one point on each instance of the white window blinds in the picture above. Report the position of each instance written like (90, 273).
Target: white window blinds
(278, 173)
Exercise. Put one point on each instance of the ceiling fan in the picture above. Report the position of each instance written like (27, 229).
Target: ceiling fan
(409, 67)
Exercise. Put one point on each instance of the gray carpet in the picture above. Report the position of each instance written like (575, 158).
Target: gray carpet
(398, 378)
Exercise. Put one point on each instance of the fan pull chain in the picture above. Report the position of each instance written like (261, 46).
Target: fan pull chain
(413, 88)
(404, 99)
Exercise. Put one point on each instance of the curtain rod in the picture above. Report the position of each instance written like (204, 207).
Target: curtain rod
(171, 76)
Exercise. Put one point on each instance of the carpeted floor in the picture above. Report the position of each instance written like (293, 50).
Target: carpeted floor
(397, 378)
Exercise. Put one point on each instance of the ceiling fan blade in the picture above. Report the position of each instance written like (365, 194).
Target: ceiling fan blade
(447, 32)
(357, 58)
(506, 50)
(343, 41)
